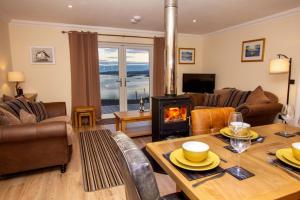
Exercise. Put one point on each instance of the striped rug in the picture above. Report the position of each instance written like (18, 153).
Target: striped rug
(98, 161)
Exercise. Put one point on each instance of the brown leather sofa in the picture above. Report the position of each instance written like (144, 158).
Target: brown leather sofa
(32, 146)
(255, 114)
(206, 121)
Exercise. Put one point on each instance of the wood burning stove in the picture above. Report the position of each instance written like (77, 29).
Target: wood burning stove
(170, 117)
(170, 113)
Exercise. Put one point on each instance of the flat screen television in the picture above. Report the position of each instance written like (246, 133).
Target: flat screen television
(198, 83)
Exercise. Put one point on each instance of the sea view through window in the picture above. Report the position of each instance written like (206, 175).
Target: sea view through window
(134, 76)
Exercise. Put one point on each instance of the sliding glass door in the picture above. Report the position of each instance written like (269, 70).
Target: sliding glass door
(124, 77)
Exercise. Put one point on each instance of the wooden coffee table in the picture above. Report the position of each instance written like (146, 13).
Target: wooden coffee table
(130, 116)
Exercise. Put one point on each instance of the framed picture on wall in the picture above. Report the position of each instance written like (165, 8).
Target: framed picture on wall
(42, 55)
(186, 55)
(253, 50)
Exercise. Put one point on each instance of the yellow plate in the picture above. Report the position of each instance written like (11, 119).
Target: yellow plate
(214, 164)
(178, 154)
(281, 155)
(228, 133)
(287, 153)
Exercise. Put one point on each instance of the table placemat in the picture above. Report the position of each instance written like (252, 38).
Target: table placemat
(193, 175)
(284, 165)
(221, 137)
(239, 173)
(288, 135)
(230, 148)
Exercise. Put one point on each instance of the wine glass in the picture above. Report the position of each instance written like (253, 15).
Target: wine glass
(241, 138)
(235, 121)
(287, 113)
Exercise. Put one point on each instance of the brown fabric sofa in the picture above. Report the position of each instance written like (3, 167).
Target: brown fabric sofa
(255, 113)
(32, 146)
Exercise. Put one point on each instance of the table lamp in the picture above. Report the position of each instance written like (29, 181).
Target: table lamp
(17, 77)
(281, 65)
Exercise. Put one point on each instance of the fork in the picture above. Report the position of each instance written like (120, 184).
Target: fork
(271, 161)
(210, 178)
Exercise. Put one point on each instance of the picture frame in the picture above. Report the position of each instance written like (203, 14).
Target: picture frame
(253, 50)
(186, 55)
(42, 55)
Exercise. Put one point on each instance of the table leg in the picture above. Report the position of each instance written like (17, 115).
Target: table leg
(79, 121)
(117, 123)
(94, 118)
(91, 119)
(76, 119)
(123, 126)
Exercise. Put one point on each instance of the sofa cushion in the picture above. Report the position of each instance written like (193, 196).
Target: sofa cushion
(236, 98)
(211, 100)
(7, 98)
(17, 104)
(66, 119)
(224, 95)
(38, 108)
(7, 118)
(27, 118)
(257, 97)
(7, 108)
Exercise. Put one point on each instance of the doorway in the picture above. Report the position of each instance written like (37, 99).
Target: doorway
(125, 77)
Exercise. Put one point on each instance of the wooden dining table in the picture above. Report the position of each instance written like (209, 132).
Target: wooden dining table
(268, 182)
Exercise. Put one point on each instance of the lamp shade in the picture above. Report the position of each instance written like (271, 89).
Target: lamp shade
(279, 66)
(16, 76)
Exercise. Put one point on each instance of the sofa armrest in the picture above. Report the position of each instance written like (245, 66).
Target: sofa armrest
(259, 109)
(55, 109)
(30, 132)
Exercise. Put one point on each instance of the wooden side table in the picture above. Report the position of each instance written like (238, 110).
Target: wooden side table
(85, 111)
(130, 116)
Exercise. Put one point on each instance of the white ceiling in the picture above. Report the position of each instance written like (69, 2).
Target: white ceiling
(211, 15)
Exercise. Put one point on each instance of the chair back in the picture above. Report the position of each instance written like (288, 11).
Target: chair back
(209, 120)
(140, 183)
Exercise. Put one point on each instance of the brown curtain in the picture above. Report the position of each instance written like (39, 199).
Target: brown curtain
(158, 66)
(85, 69)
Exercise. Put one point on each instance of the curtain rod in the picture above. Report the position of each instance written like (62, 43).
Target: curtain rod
(130, 36)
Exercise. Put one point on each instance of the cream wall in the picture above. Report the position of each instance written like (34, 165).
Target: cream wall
(53, 82)
(223, 55)
(190, 41)
(5, 59)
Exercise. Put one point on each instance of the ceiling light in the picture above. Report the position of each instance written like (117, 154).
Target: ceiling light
(137, 18)
(70, 6)
(194, 21)
(133, 21)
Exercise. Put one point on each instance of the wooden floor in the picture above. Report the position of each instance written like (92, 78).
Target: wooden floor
(50, 184)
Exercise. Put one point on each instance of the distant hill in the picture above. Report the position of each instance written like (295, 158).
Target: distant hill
(133, 69)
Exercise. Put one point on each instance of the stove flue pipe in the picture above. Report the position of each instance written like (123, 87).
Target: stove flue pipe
(170, 47)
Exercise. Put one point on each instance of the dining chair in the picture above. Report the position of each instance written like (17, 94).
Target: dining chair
(138, 176)
(209, 120)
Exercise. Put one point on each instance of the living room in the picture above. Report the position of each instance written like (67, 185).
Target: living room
(215, 32)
